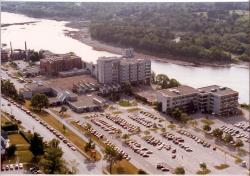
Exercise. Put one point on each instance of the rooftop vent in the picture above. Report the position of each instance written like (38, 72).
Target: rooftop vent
(213, 90)
(222, 88)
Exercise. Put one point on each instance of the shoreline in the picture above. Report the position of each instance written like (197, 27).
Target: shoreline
(83, 36)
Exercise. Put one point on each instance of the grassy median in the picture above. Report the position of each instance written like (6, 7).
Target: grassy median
(121, 167)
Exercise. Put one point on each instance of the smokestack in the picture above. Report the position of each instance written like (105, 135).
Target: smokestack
(26, 54)
(11, 48)
(11, 51)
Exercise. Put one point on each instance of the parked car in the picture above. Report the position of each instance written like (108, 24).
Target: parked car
(20, 166)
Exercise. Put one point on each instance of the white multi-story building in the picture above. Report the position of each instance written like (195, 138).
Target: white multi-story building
(213, 99)
(108, 70)
(121, 70)
(178, 97)
(218, 100)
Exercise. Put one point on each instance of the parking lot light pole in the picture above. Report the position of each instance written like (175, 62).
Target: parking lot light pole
(225, 158)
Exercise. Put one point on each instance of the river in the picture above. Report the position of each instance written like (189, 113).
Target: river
(49, 34)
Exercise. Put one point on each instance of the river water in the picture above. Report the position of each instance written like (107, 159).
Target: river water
(49, 34)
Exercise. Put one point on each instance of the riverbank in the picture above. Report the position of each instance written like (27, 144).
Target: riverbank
(82, 34)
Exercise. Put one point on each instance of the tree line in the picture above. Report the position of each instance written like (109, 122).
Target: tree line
(205, 31)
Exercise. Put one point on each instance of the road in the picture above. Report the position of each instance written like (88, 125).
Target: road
(84, 167)
(17, 84)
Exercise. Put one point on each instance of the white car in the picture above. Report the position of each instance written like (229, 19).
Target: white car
(243, 164)
(11, 167)
(21, 166)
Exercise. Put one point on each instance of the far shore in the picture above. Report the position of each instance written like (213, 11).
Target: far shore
(83, 36)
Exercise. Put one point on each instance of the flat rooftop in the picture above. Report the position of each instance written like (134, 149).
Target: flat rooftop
(54, 57)
(86, 101)
(67, 82)
(179, 91)
(147, 92)
(215, 89)
(36, 85)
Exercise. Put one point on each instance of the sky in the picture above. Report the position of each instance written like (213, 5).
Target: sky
(134, 0)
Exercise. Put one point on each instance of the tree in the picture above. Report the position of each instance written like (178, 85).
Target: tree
(206, 127)
(141, 172)
(8, 89)
(63, 109)
(203, 166)
(179, 171)
(64, 128)
(217, 133)
(89, 145)
(39, 101)
(162, 80)
(88, 126)
(10, 151)
(36, 145)
(228, 138)
(112, 156)
(127, 88)
(51, 162)
(153, 77)
(125, 136)
(239, 143)
(173, 83)
(34, 56)
(184, 117)
(176, 113)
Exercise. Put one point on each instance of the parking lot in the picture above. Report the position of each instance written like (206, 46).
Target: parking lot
(238, 129)
(170, 153)
(172, 148)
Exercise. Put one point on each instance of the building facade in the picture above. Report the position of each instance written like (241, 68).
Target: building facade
(113, 70)
(218, 100)
(56, 63)
(212, 99)
(178, 97)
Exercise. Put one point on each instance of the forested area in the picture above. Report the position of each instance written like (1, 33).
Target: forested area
(204, 31)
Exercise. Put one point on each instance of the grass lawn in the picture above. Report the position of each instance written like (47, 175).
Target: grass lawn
(171, 126)
(203, 172)
(133, 109)
(117, 112)
(124, 103)
(67, 133)
(124, 167)
(238, 160)
(63, 115)
(23, 154)
(4, 119)
(207, 121)
(17, 139)
(222, 166)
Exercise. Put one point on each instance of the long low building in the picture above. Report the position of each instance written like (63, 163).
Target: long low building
(86, 103)
(211, 99)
